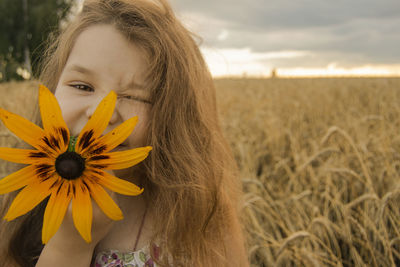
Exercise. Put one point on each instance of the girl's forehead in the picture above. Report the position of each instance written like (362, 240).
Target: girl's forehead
(103, 51)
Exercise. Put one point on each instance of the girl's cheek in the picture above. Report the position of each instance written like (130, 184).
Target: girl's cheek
(69, 109)
(136, 137)
(73, 109)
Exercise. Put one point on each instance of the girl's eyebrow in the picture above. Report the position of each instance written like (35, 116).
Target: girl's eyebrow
(132, 85)
(80, 69)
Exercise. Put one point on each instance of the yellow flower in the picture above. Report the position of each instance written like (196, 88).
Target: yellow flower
(68, 170)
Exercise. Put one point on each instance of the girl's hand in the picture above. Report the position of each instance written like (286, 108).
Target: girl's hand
(68, 248)
(67, 234)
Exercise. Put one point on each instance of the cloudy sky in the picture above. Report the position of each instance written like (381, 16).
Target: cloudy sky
(297, 37)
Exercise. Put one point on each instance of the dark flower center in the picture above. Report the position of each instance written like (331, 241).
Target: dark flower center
(70, 165)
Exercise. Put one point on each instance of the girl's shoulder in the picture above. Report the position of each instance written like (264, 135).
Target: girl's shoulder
(114, 258)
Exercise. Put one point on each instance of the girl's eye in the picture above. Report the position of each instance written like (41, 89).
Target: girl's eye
(83, 87)
(134, 98)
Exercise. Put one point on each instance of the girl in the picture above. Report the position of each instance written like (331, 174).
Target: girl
(188, 213)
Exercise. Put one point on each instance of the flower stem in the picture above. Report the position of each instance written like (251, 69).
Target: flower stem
(72, 142)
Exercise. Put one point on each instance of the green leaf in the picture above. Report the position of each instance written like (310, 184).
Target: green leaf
(142, 256)
(128, 257)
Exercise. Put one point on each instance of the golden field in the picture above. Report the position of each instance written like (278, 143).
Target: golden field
(319, 160)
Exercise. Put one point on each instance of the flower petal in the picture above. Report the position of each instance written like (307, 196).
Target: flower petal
(105, 202)
(82, 210)
(117, 135)
(24, 156)
(97, 123)
(24, 129)
(53, 122)
(18, 179)
(122, 159)
(118, 185)
(55, 211)
(28, 198)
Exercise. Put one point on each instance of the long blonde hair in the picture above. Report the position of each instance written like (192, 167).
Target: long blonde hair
(191, 176)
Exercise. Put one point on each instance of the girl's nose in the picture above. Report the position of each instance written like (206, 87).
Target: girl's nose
(91, 109)
(114, 117)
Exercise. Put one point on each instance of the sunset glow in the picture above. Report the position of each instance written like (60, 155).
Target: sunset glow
(244, 62)
(333, 71)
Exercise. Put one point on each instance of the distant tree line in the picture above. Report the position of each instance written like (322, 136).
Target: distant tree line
(24, 29)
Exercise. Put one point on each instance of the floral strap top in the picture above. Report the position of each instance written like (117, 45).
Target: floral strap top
(114, 258)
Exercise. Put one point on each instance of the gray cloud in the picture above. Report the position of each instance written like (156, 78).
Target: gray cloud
(349, 32)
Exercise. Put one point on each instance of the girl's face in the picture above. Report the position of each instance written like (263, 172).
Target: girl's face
(102, 60)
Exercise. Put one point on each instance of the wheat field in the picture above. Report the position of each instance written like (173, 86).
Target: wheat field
(319, 160)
